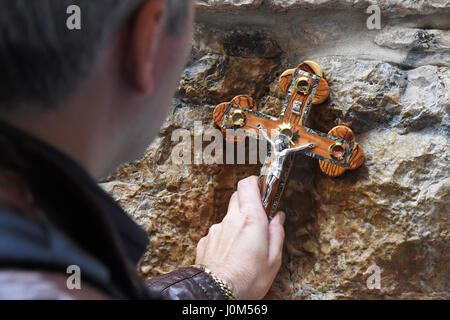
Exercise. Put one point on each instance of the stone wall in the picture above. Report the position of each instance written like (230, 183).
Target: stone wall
(391, 86)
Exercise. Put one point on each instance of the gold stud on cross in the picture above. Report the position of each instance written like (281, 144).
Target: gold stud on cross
(304, 87)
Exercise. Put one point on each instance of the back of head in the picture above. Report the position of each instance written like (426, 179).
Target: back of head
(42, 60)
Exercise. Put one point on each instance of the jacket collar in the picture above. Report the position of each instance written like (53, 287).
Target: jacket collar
(73, 203)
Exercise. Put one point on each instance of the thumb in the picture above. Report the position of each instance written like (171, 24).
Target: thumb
(276, 236)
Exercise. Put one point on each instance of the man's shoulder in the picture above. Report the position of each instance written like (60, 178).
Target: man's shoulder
(15, 195)
(41, 285)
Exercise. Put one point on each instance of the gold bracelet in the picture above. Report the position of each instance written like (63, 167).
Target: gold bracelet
(223, 285)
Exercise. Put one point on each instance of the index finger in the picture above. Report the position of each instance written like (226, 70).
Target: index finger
(250, 198)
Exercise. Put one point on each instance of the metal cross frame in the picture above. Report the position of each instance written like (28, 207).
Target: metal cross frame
(293, 117)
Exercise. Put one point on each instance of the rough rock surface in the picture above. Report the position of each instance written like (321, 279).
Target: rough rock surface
(390, 85)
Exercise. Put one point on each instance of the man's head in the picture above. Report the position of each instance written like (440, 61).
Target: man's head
(110, 83)
(281, 142)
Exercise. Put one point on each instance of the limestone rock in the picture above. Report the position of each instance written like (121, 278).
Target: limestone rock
(391, 86)
(420, 45)
(392, 7)
(400, 37)
(226, 4)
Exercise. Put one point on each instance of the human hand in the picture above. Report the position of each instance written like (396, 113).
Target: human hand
(244, 249)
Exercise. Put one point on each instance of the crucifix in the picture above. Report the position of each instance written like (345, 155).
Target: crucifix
(304, 87)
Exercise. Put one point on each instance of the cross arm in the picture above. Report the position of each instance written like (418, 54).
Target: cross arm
(263, 133)
(290, 150)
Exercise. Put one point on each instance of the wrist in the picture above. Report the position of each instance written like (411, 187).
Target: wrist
(224, 285)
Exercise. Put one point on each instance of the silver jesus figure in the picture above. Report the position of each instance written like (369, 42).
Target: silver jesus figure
(280, 149)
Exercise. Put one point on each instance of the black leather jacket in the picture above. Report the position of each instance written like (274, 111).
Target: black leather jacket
(53, 215)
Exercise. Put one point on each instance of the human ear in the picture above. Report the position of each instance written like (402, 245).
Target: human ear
(144, 35)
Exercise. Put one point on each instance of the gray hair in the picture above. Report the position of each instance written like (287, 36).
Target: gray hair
(42, 61)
